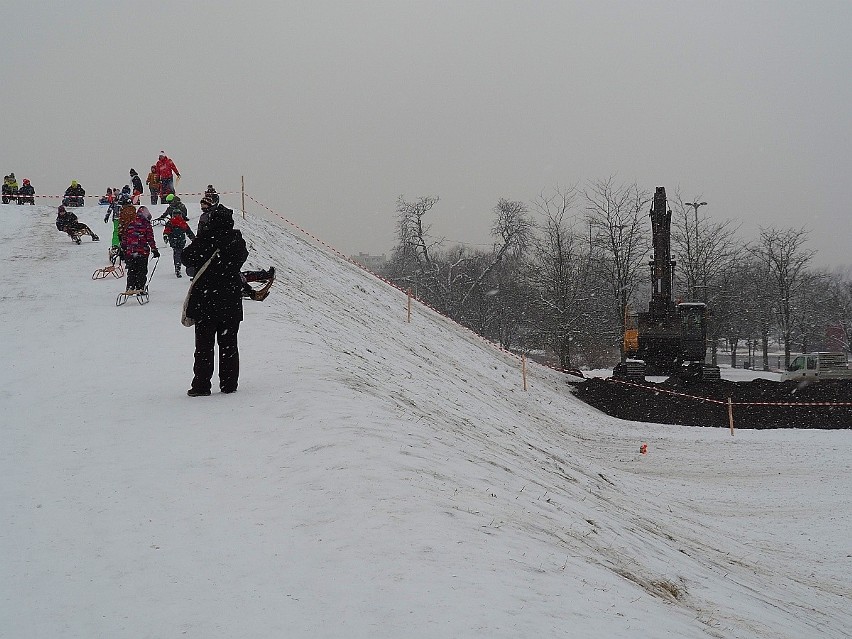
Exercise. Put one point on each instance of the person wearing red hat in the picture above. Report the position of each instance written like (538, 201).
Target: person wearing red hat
(166, 169)
(26, 193)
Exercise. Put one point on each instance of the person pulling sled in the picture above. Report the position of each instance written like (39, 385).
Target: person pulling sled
(137, 244)
(68, 223)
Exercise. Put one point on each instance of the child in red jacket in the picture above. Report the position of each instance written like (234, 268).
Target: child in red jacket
(174, 234)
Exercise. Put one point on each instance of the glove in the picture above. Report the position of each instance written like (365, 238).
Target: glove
(155, 253)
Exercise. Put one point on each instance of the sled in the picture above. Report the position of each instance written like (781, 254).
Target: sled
(263, 292)
(117, 271)
(141, 297)
(258, 295)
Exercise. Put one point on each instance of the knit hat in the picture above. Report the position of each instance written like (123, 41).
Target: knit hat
(144, 212)
(170, 197)
(61, 209)
(133, 172)
(220, 219)
(207, 200)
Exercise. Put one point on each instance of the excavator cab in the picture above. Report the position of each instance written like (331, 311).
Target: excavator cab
(693, 342)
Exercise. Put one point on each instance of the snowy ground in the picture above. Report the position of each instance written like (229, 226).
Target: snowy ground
(371, 478)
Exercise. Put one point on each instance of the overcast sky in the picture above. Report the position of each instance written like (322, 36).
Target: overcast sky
(333, 109)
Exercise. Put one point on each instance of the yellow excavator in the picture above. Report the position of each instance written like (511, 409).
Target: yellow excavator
(670, 339)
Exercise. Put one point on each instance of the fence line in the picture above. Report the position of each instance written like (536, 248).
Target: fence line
(657, 389)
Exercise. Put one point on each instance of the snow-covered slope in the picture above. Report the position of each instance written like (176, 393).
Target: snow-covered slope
(371, 478)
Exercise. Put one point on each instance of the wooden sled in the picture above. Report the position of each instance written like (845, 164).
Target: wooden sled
(117, 271)
(263, 292)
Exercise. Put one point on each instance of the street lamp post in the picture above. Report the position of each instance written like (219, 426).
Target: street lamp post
(696, 205)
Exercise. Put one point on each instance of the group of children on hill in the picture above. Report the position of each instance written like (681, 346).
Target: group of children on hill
(23, 195)
(133, 237)
(160, 182)
(217, 254)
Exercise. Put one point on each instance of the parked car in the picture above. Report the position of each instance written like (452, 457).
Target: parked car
(816, 366)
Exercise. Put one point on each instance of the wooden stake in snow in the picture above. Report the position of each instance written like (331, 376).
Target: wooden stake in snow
(524, 369)
(243, 191)
(409, 306)
(731, 416)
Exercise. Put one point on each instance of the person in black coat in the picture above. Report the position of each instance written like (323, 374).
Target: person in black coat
(26, 194)
(136, 181)
(74, 194)
(214, 303)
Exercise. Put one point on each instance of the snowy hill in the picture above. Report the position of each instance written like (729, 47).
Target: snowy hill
(371, 478)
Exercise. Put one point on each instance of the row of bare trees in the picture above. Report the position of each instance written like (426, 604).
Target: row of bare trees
(566, 270)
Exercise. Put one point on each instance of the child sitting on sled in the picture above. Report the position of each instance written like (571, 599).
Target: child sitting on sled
(68, 223)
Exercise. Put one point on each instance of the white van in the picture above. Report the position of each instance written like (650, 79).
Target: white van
(816, 366)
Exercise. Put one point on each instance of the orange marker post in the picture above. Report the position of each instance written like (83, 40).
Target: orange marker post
(409, 306)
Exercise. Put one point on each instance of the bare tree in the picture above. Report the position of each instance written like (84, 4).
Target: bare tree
(512, 227)
(412, 233)
(706, 253)
(455, 280)
(786, 259)
(559, 270)
(615, 214)
(840, 286)
(814, 309)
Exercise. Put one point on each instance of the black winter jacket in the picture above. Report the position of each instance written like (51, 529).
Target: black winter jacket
(216, 294)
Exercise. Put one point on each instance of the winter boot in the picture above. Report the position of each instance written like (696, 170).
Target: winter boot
(95, 238)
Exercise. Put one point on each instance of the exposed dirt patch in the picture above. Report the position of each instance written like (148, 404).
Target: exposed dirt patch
(675, 402)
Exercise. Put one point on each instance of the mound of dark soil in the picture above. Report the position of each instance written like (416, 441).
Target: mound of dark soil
(757, 404)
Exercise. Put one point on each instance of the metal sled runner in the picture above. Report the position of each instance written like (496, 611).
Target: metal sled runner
(141, 297)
